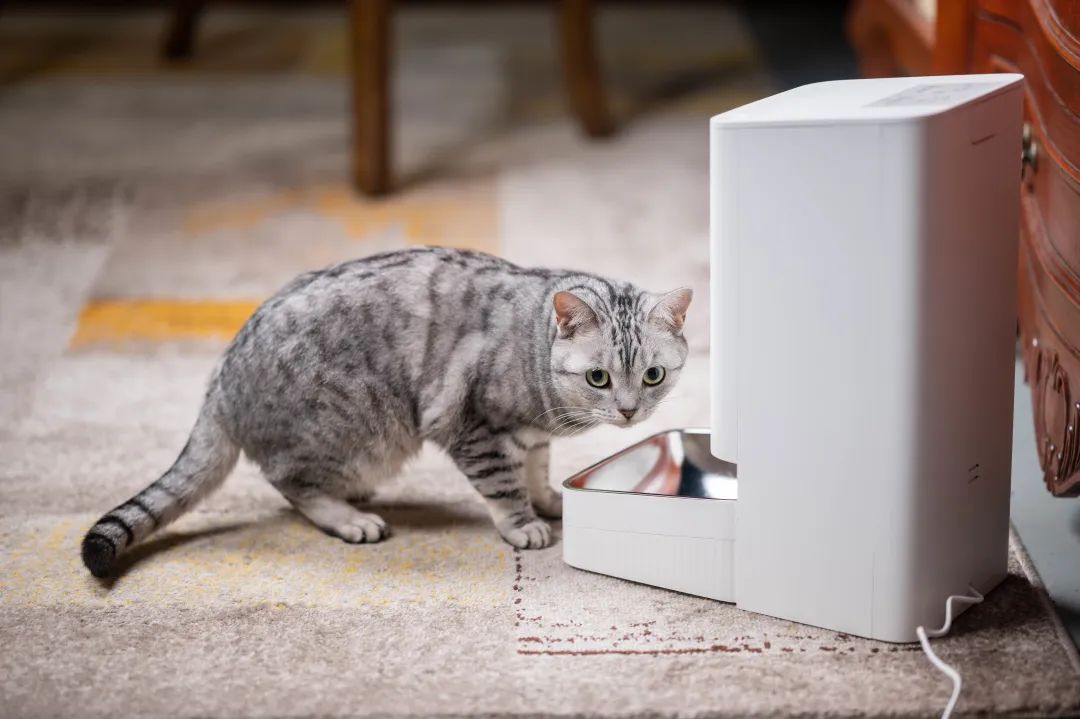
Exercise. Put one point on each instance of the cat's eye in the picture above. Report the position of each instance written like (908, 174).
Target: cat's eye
(654, 376)
(598, 378)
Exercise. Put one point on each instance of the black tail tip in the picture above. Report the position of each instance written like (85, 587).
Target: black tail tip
(98, 554)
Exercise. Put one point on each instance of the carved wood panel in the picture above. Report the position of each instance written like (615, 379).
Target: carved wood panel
(1036, 38)
(1057, 418)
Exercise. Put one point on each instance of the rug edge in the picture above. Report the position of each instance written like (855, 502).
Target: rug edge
(1028, 567)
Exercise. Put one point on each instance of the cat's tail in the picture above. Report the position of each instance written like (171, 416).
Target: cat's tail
(202, 466)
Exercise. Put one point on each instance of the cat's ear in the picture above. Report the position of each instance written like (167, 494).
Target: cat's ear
(573, 314)
(669, 311)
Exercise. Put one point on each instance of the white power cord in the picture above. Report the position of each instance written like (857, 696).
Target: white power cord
(922, 633)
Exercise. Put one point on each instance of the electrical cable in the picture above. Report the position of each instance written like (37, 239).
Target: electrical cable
(922, 633)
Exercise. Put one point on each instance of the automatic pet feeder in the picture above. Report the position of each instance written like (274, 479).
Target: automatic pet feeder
(864, 241)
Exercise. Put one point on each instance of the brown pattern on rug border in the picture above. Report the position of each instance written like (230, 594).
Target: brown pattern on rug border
(538, 636)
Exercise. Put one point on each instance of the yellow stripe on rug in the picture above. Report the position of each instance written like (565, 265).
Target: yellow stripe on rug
(264, 557)
(464, 216)
(124, 320)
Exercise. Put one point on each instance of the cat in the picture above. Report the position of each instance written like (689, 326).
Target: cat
(340, 377)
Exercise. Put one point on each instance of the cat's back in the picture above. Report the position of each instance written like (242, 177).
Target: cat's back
(417, 281)
(405, 272)
(389, 300)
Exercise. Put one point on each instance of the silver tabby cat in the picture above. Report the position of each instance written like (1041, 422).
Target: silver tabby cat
(339, 378)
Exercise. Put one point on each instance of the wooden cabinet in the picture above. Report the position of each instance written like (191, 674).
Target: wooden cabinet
(1041, 39)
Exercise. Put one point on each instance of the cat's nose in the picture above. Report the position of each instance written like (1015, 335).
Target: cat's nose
(628, 413)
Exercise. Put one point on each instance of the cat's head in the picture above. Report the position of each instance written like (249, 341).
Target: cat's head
(616, 354)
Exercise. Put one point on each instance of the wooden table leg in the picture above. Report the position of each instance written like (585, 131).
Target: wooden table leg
(370, 30)
(180, 35)
(581, 67)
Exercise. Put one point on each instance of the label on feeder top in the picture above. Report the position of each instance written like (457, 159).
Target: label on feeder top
(938, 93)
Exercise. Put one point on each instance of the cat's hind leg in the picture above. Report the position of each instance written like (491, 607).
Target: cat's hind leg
(324, 501)
(340, 519)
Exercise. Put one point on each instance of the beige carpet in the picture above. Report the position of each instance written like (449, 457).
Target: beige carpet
(142, 217)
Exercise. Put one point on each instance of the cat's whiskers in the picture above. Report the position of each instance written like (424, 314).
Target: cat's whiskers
(575, 421)
(574, 415)
(578, 422)
(581, 429)
(554, 409)
(570, 422)
(577, 413)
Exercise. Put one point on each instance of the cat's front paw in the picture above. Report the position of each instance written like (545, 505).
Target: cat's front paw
(549, 504)
(532, 535)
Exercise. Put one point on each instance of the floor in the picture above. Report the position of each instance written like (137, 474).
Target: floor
(1049, 527)
(146, 209)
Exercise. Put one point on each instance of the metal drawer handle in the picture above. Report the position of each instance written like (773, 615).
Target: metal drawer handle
(1029, 153)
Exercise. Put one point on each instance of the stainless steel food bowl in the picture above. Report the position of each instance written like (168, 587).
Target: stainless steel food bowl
(674, 463)
(661, 512)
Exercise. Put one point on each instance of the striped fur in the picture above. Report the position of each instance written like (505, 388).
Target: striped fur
(202, 466)
(340, 377)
